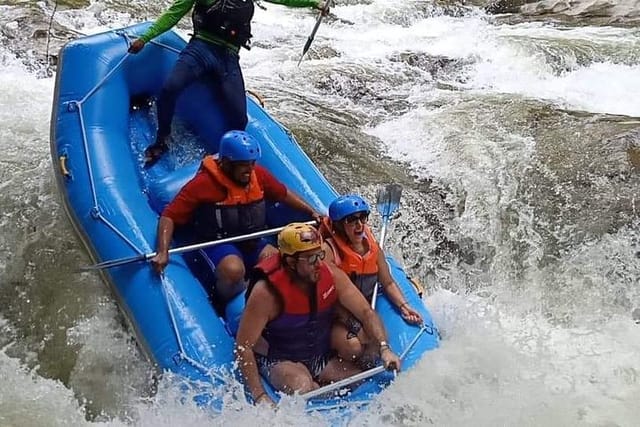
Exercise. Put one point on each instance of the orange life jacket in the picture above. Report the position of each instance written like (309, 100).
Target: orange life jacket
(362, 269)
(242, 211)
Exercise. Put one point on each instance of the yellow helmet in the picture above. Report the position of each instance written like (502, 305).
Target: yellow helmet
(298, 237)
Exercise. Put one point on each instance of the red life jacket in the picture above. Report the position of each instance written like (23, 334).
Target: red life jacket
(302, 331)
(242, 211)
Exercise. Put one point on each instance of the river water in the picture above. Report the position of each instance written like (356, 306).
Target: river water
(518, 147)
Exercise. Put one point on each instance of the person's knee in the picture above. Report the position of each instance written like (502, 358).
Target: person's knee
(350, 349)
(347, 348)
(267, 251)
(231, 269)
(300, 383)
(178, 79)
(291, 377)
(354, 348)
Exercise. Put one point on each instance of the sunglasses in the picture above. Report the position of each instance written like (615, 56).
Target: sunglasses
(313, 259)
(362, 217)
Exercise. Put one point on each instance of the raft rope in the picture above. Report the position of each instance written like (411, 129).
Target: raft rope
(95, 211)
(55, 8)
(129, 37)
(182, 353)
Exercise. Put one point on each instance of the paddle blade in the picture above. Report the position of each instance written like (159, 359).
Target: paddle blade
(388, 199)
(307, 45)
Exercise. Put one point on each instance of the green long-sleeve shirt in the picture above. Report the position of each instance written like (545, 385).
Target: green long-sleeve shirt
(180, 8)
(170, 18)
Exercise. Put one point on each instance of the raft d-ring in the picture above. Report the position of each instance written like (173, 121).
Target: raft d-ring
(257, 96)
(63, 166)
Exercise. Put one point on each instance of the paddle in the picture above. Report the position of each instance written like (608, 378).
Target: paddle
(387, 202)
(362, 375)
(307, 45)
(344, 382)
(146, 257)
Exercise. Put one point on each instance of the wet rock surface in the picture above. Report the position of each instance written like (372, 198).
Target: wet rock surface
(33, 36)
(593, 12)
(583, 12)
(505, 6)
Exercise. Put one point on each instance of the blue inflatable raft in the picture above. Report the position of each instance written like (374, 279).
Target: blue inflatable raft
(103, 117)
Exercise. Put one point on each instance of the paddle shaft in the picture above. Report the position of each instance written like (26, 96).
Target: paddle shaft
(188, 248)
(345, 382)
(307, 45)
(362, 375)
(383, 230)
(383, 235)
(388, 200)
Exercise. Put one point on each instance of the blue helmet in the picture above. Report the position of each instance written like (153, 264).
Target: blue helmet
(239, 146)
(347, 205)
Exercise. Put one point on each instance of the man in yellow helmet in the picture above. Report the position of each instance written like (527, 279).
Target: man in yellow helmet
(290, 304)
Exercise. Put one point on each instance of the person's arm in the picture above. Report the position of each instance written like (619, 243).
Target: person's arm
(293, 200)
(329, 256)
(260, 309)
(168, 19)
(165, 234)
(165, 22)
(353, 300)
(179, 211)
(394, 293)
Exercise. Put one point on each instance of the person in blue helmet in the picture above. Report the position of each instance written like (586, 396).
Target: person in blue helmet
(351, 246)
(227, 197)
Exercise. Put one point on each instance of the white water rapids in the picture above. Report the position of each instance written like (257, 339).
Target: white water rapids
(510, 127)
